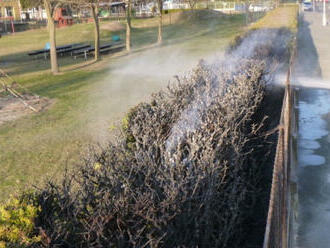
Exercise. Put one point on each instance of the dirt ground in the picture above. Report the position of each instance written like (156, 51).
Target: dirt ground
(12, 108)
(112, 26)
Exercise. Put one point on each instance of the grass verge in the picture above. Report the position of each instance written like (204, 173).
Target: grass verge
(282, 17)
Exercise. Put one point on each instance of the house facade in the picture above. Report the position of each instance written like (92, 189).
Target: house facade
(10, 9)
(37, 13)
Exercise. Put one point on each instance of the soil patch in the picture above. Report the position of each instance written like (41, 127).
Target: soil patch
(113, 26)
(12, 108)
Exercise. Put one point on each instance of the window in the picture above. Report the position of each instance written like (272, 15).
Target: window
(8, 11)
(64, 13)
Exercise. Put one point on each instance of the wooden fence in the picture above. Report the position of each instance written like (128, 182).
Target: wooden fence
(279, 227)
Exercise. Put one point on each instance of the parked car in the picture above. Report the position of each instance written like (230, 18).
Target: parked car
(307, 6)
(258, 7)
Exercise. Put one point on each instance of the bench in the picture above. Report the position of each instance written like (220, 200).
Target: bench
(59, 50)
(103, 49)
(75, 48)
(115, 48)
(34, 53)
(80, 52)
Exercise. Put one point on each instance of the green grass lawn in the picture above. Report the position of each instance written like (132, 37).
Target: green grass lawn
(88, 100)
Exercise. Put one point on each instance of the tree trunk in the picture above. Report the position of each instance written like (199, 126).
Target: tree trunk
(52, 37)
(40, 13)
(247, 12)
(94, 9)
(160, 22)
(128, 25)
(192, 4)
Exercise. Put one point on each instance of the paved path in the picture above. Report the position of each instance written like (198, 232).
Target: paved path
(321, 39)
(313, 66)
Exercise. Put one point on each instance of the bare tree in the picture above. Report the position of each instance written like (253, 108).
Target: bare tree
(247, 11)
(52, 36)
(160, 21)
(94, 4)
(50, 7)
(128, 24)
(192, 4)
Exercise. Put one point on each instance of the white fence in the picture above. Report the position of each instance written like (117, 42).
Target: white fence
(226, 7)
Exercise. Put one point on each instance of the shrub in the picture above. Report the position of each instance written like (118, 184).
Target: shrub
(17, 227)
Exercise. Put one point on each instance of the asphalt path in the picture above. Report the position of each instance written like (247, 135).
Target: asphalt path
(313, 70)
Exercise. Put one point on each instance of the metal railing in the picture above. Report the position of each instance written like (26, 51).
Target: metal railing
(280, 217)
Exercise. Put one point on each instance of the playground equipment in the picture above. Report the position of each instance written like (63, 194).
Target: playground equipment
(62, 17)
(7, 84)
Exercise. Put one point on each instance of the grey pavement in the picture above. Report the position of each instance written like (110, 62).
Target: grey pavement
(313, 65)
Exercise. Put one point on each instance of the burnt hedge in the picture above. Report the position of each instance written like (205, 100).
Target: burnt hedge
(192, 167)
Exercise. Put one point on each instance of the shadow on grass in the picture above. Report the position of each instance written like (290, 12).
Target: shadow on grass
(59, 85)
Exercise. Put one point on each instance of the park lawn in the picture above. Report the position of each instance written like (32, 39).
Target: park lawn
(14, 48)
(88, 100)
(37, 144)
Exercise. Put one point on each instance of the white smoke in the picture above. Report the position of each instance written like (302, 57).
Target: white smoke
(131, 80)
(189, 120)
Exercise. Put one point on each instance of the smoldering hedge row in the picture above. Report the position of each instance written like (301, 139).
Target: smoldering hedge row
(187, 171)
